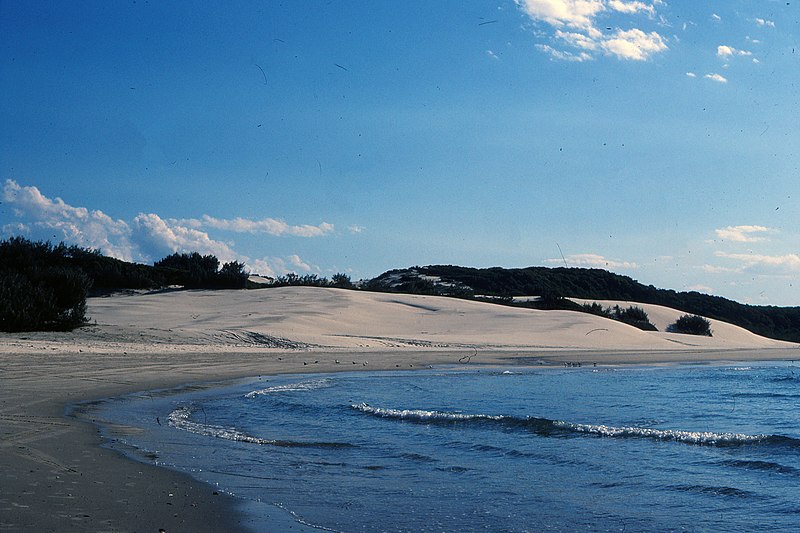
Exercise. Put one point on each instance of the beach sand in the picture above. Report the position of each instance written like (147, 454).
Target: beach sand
(54, 476)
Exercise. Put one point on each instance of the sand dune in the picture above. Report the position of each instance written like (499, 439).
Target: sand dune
(333, 318)
(320, 319)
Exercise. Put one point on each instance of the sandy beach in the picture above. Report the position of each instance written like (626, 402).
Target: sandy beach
(56, 476)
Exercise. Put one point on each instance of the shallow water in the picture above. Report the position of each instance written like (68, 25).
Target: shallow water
(599, 449)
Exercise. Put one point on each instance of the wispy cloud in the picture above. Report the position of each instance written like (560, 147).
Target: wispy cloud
(148, 236)
(269, 226)
(716, 269)
(742, 233)
(719, 78)
(726, 52)
(766, 264)
(632, 7)
(574, 26)
(764, 22)
(276, 266)
(356, 228)
(591, 260)
(562, 55)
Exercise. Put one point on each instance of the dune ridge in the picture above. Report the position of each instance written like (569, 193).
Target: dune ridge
(326, 319)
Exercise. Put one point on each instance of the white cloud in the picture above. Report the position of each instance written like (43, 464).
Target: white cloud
(716, 269)
(634, 44)
(572, 13)
(715, 17)
(156, 237)
(57, 220)
(577, 40)
(632, 7)
(777, 264)
(562, 55)
(742, 233)
(764, 22)
(591, 260)
(725, 52)
(716, 77)
(691, 75)
(147, 237)
(356, 228)
(573, 22)
(492, 55)
(278, 266)
(270, 226)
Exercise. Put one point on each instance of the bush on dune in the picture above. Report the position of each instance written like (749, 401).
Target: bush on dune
(633, 316)
(691, 325)
(197, 271)
(38, 288)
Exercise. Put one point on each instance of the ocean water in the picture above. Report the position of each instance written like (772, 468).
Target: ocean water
(694, 448)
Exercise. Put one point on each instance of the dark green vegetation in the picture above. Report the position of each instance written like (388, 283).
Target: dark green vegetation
(555, 283)
(39, 290)
(195, 271)
(341, 281)
(691, 325)
(634, 316)
(44, 287)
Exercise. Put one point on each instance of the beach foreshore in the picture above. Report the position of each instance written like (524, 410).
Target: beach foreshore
(56, 476)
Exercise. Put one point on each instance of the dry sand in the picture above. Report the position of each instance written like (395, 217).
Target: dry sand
(54, 476)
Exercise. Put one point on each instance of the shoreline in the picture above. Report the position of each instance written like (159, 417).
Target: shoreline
(57, 475)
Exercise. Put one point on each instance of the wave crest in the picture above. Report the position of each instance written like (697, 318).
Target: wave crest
(547, 427)
(180, 418)
(292, 387)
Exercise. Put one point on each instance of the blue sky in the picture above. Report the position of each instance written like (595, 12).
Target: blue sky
(657, 139)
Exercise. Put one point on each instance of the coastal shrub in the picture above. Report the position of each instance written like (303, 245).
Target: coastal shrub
(35, 299)
(190, 270)
(342, 281)
(233, 275)
(633, 316)
(197, 271)
(691, 325)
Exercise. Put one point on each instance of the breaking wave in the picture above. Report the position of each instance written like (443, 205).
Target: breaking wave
(292, 387)
(180, 418)
(547, 427)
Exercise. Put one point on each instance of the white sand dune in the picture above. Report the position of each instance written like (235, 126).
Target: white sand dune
(311, 318)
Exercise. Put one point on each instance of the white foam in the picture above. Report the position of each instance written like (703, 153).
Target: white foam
(179, 419)
(419, 414)
(691, 437)
(292, 387)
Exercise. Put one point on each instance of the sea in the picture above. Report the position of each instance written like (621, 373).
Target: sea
(712, 447)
